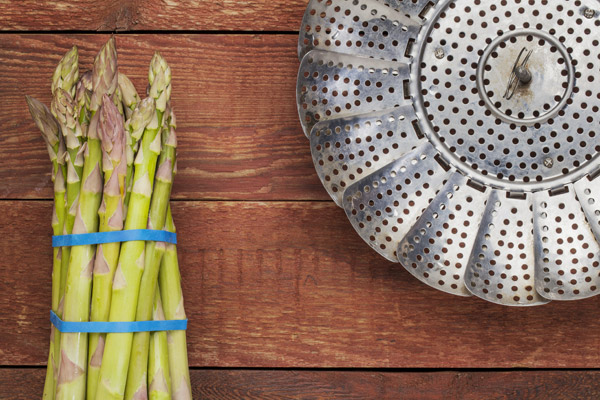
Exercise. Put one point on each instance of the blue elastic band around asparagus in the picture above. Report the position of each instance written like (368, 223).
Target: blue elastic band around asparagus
(113, 237)
(115, 327)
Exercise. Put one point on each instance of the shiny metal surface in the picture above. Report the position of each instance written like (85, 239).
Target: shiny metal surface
(411, 132)
(332, 85)
(502, 265)
(383, 206)
(347, 149)
(438, 247)
(363, 28)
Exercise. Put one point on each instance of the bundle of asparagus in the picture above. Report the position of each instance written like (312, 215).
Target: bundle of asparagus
(113, 161)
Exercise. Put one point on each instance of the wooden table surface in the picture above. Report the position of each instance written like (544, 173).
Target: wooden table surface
(284, 299)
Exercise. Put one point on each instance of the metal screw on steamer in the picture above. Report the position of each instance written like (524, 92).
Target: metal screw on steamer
(456, 141)
(589, 13)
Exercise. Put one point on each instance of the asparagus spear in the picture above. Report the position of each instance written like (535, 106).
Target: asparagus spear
(169, 281)
(63, 107)
(50, 129)
(134, 128)
(86, 80)
(159, 377)
(138, 365)
(129, 95)
(126, 284)
(114, 164)
(64, 81)
(73, 362)
(58, 218)
(84, 99)
(66, 73)
(82, 96)
(104, 74)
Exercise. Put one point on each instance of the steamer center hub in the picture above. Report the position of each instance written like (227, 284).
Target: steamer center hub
(508, 92)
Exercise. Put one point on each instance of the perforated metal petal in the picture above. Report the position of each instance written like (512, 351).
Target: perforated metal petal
(438, 247)
(347, 149)
(332, 86)
(383, 206)
(501, 268)
(588, 193)
(368, 28)
(568, 257)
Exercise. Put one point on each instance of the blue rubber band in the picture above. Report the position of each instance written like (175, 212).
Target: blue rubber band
(117, 327)
(114, 237)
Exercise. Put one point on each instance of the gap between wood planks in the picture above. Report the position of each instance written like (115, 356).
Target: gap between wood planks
(149, 32)
(294, 384)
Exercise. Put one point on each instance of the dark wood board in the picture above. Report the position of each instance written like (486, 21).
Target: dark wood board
(123, 15)
(285, 284)
(210, 384)
(285, 301)
(240, 137)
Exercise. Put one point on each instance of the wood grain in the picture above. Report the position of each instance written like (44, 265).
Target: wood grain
(210, 384)
(124, 15)
(286, 284)
(240, 137)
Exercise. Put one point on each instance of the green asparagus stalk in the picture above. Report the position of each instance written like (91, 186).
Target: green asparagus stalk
(114, 164)
(139, 114)
(126, 284)
(51, 133)
(71, 379)
(129, 95)
(159, 377)
(58, 218)
(138, 365)
(73, 362)
(63, 108)
(134, 128)
(66, 73)
(137, 378)
(169, 281)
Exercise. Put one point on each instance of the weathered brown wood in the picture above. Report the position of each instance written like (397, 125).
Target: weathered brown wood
(285, 284)
(123, 15)
(17, 384)
(240, 137)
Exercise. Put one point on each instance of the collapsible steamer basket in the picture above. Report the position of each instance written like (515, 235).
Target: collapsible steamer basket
(461, 138)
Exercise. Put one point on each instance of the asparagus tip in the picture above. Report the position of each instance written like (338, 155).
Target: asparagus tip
(44, 120)
(66, 73)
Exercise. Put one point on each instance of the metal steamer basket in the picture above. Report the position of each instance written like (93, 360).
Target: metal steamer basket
(460, 138)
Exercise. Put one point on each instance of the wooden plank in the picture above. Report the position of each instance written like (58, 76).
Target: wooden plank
(301, 384)
(286, 284)
(114, 15)
(240, 137)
